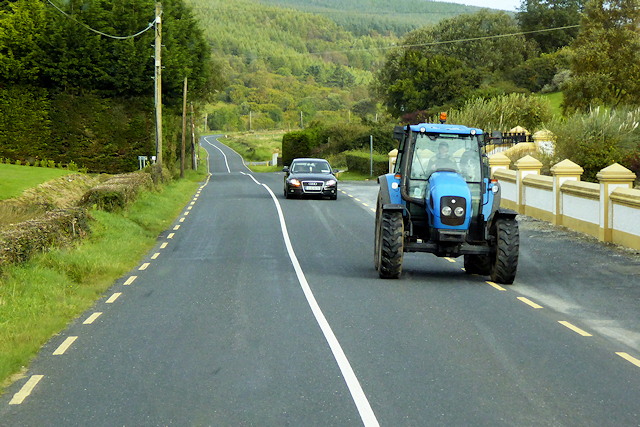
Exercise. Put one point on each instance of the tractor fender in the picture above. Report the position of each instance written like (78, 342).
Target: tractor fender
(389, 189)
(500, 213)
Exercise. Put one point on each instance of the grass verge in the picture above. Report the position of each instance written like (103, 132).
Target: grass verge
(39, 298)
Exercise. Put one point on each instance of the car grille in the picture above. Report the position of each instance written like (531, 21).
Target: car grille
(312, 186)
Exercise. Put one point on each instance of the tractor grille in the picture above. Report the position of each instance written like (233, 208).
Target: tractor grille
(453, 203)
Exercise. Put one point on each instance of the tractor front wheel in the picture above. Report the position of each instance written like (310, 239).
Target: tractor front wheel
(390, 245)
(505, 263)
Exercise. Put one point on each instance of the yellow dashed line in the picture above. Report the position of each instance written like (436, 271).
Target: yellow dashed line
(356, 199)
(64, 346)
(170, 236)
(164, 245)
(182, 219)
(156, 255)
(130, 280)
(495, 285)
(25, 390)
(176, 227)
(449, 259)
(113, 297)
(575, 328)
(529, 302)
(144, 266)
(91, 318)
(629, 358)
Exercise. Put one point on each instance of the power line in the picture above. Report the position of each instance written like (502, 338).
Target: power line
(448, 41)
(100, 32)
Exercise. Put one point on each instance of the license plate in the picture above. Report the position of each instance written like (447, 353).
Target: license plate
(313, 188)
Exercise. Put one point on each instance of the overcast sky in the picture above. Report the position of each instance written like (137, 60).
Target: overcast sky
(509, 5)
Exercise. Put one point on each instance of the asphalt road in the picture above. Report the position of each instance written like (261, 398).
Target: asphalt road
(256, 310)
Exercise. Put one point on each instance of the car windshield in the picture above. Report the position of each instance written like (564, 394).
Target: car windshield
(310, 166)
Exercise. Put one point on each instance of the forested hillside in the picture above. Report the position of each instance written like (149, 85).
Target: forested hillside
(363, 17)
(289, 64)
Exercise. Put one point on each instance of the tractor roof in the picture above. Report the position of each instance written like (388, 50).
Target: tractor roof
(445, 128)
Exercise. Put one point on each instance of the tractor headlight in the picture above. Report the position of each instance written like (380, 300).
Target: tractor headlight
(446, 211)
(459, 211)
(294, 182)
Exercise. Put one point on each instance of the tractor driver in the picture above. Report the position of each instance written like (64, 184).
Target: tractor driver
(442, 160)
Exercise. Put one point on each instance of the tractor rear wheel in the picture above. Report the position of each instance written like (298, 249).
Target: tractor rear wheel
(505, 263)
(477, 264)
(390, 245)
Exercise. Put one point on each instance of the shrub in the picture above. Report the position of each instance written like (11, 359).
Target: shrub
(72, 166)
(51, 164)
(596, 139)
(360, 161)
(117, 192)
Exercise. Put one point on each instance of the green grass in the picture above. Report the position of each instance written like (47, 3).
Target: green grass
(40, 297)
(15, 179)
(556, 99)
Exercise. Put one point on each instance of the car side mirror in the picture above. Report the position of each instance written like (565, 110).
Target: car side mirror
(336, 171)
(285, 169)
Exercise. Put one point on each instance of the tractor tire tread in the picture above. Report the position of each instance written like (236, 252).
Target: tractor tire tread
(391, 245)
(507, 251)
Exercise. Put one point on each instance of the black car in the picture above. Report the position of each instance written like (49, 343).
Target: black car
(310, 177)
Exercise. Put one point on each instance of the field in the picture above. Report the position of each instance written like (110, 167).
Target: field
(15, 179)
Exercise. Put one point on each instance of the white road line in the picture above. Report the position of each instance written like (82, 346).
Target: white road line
(223, 155)
(26, 390)
(359, 398)
(64, 346)
(91, 318)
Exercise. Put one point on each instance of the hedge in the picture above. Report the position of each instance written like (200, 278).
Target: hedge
(56, 228)
(359, 161)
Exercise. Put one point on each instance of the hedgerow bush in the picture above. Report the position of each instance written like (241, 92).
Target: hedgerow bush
(599, 138)
(118, 192)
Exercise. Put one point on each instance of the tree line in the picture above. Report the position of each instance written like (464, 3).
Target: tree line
(69, 92)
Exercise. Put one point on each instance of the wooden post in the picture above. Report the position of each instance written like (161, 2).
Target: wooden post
(158, 89)
(184, 125)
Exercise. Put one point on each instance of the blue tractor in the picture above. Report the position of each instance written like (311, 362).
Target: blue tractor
(440, 199)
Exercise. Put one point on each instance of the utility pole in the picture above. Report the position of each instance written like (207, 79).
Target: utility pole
(184, 125)
(194, 162)
(157, 78)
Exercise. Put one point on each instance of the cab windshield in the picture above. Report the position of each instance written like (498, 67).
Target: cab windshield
(446, 152)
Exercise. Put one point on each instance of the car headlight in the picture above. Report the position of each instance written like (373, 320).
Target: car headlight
(331, 183)
(294, 182)
(446, 211)
(459, 211)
